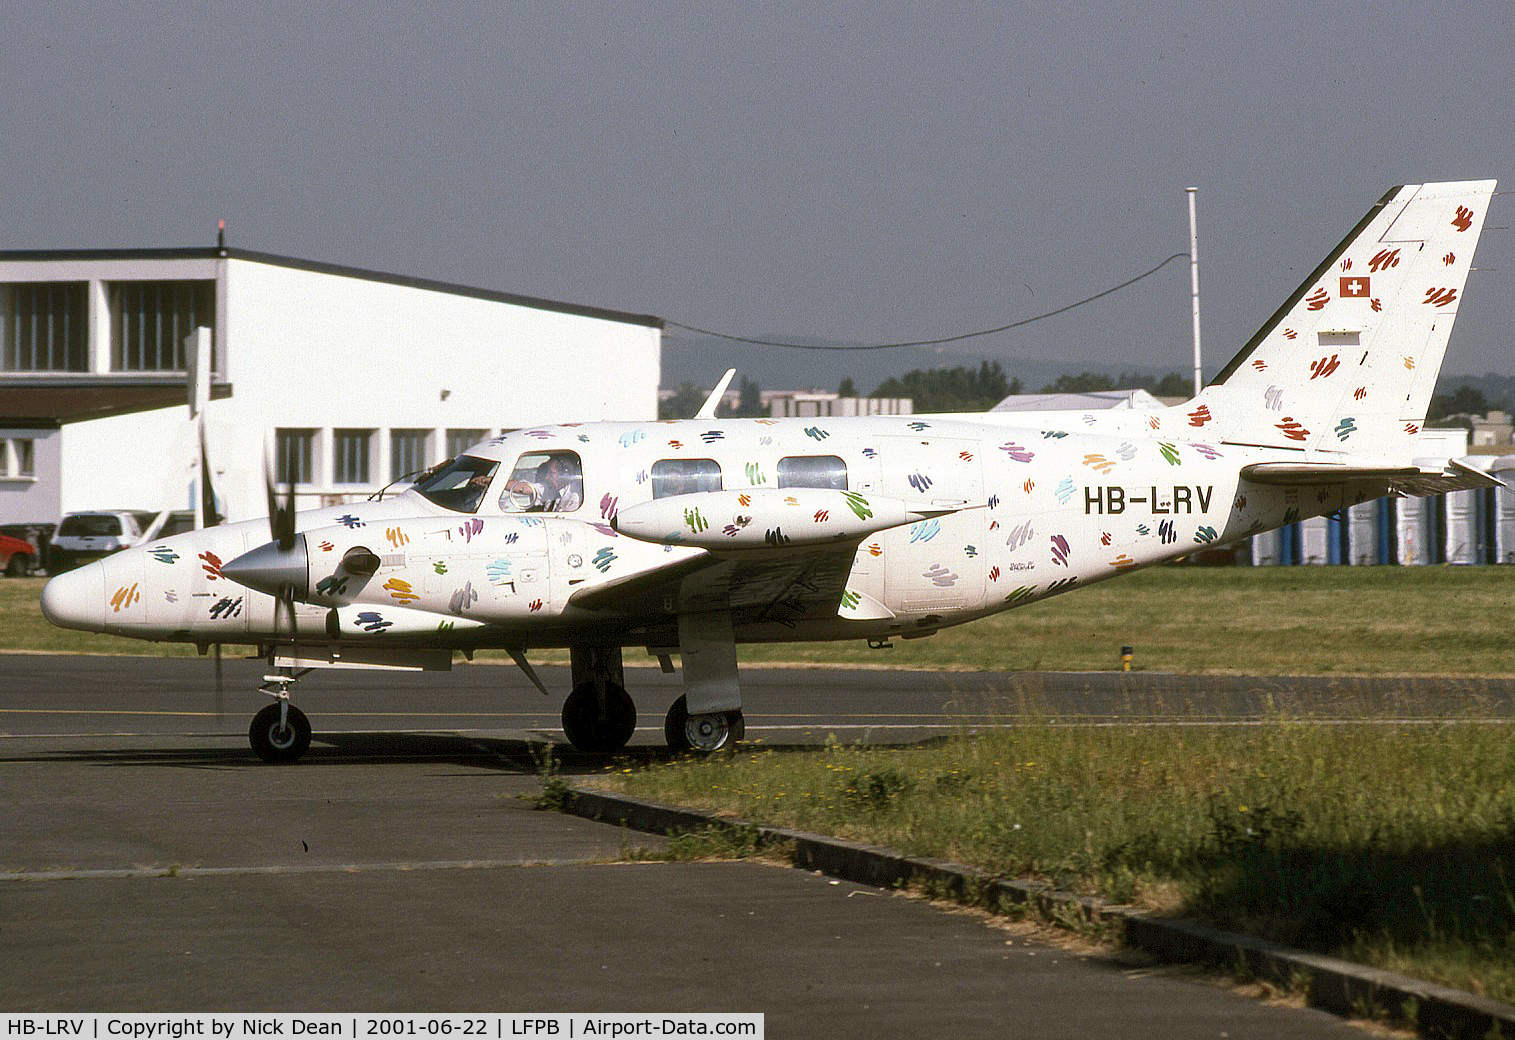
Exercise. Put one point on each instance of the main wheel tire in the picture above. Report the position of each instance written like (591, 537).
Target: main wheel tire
(589, 729)
(707, 733)
(275, 743)
(17, 566)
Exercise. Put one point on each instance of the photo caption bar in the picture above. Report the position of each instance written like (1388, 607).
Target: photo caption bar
(258, 1026)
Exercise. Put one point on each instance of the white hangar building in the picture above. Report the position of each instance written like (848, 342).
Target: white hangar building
(362, 376)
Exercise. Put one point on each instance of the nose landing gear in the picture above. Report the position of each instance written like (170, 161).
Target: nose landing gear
(280, 732)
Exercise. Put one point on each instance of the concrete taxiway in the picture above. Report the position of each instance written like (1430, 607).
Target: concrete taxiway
(151, 863)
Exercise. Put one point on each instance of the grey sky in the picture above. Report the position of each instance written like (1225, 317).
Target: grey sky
(851, 172)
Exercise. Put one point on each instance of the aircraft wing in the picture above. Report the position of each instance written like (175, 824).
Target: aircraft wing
(780, 587)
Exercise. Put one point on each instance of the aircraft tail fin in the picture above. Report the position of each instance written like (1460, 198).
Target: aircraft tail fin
(1347, 365)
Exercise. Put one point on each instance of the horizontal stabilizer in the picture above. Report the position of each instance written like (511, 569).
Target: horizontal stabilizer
(1425, 477)
(1454, 476)
(1309, 474)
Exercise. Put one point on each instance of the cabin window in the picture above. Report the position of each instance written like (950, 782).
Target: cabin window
(544, 482)
(672, 477)
(813, 471)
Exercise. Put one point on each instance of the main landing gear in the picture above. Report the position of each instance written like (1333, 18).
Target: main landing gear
(280, 732)
(599, 716)
(707, 732)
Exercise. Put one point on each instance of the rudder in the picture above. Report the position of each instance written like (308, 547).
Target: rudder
(1348, 364)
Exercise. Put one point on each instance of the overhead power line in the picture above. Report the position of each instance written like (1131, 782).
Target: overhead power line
(931, 342)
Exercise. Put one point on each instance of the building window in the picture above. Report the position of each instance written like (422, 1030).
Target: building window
(459, 441)
(408, 452)
(44, 327)
(294, 454)
(149, 322)
(350, 451)
(813, 471)
(684, 477)
(18, 457)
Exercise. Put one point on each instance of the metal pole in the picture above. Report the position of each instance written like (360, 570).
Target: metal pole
(1199, 378)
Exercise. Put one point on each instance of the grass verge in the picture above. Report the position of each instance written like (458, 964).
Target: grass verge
(1243, 621)
(1386, 845)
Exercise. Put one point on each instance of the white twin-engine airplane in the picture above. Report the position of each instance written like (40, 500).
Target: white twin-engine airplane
(692, 536)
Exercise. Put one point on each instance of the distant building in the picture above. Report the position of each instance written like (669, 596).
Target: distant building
(1492, 430)
(359, 376)
(823, 403)
(1093, 401)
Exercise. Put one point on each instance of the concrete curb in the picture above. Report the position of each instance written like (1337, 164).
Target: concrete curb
(1330, 984)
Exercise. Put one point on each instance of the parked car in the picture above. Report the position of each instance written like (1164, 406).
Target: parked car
(87, 536)
(17, 557)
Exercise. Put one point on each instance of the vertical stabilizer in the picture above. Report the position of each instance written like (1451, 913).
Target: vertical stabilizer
(1348, 364)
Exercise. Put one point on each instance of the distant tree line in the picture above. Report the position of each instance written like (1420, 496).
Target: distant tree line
(1174, 384)
(963, 388)
(960, 389)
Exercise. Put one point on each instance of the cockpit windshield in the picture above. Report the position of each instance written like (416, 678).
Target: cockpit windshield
(458, 484)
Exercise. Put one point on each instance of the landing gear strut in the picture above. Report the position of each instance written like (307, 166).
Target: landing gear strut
(280, 732)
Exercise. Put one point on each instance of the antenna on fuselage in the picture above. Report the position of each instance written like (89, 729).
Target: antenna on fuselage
(707, 410)
(1199, 377)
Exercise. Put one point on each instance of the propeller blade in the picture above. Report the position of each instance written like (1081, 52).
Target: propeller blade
(220, 688)
(284, 609)
(208, 509)
(281, 508)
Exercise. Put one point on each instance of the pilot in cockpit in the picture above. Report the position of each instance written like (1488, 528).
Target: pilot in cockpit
(561, 483)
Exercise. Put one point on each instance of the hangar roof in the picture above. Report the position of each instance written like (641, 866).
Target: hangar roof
(218, 252)
(49, 407)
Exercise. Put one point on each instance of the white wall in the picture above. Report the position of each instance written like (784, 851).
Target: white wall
(330, 350)
(34, 499)
(133, 461)
(325, 351)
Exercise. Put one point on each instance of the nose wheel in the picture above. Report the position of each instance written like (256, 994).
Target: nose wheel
(280, 732)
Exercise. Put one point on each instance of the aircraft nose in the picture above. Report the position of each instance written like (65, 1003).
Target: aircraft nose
(76, 598)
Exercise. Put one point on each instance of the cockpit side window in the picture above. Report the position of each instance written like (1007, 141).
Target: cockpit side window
(813, 471)
(544, 482)
(684, 477)
(458, 484)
